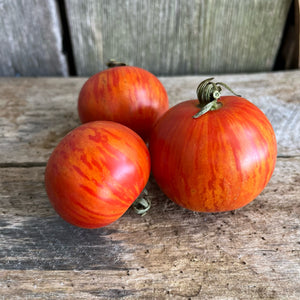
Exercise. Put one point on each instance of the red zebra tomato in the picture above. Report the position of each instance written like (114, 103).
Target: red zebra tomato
(128, 95)
(219, 161)
(96, 172)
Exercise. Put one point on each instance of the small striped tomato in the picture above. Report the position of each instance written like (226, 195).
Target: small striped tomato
(217, 160)
(96, 172)
(125, 94)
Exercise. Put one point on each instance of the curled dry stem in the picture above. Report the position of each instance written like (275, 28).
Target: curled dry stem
(208, 93)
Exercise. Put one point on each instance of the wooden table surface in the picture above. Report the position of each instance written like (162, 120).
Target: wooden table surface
(170, 253)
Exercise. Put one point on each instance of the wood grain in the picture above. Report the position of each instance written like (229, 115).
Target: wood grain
(36, 113)
(177, 37)
(31, 39)
(170, 253)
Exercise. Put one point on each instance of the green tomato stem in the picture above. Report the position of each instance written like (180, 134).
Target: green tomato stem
(213, 105)
(142, 205)
(208, 93)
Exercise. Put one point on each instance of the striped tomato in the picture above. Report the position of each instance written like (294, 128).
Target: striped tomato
(217, 160)
(125, 94)
(96, 172)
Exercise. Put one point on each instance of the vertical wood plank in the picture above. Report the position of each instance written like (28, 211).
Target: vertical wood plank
(31, 39)
(175, 37)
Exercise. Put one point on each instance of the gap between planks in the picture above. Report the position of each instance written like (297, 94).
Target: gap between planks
(44, 164)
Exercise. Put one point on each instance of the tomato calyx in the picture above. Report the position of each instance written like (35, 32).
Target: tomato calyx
(114, 63)
(141, 205)
(208, 94)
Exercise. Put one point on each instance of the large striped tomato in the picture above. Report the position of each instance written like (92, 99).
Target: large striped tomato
(125, 94)
(218, 161)
(96, 172)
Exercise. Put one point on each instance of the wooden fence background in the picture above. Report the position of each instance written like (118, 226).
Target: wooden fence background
(167, 37)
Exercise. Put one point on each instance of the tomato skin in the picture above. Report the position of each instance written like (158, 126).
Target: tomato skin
(96, 172)
(218, 162)
(128, 95)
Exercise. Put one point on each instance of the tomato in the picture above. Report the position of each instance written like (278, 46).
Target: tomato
(125, 94)
(219, 161)
(96, 172)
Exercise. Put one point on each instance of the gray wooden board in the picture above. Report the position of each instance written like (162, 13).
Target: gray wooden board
(170, 253)
(177, 37)
(31, 39)
(36, 113)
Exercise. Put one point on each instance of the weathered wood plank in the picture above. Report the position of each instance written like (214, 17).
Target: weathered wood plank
(31, 39)
(170, 253)
(36, 113)
(177, 37)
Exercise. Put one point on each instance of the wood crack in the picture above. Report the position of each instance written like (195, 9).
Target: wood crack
(43, 164)
(22, 164)
(288, 156)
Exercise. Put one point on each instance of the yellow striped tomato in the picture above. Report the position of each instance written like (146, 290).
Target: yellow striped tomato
(218, 160)
(96, 172)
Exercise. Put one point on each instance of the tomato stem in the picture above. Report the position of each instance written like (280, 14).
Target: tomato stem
(213, 105)
(114, 63)
(141, 205)
(208, 93)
